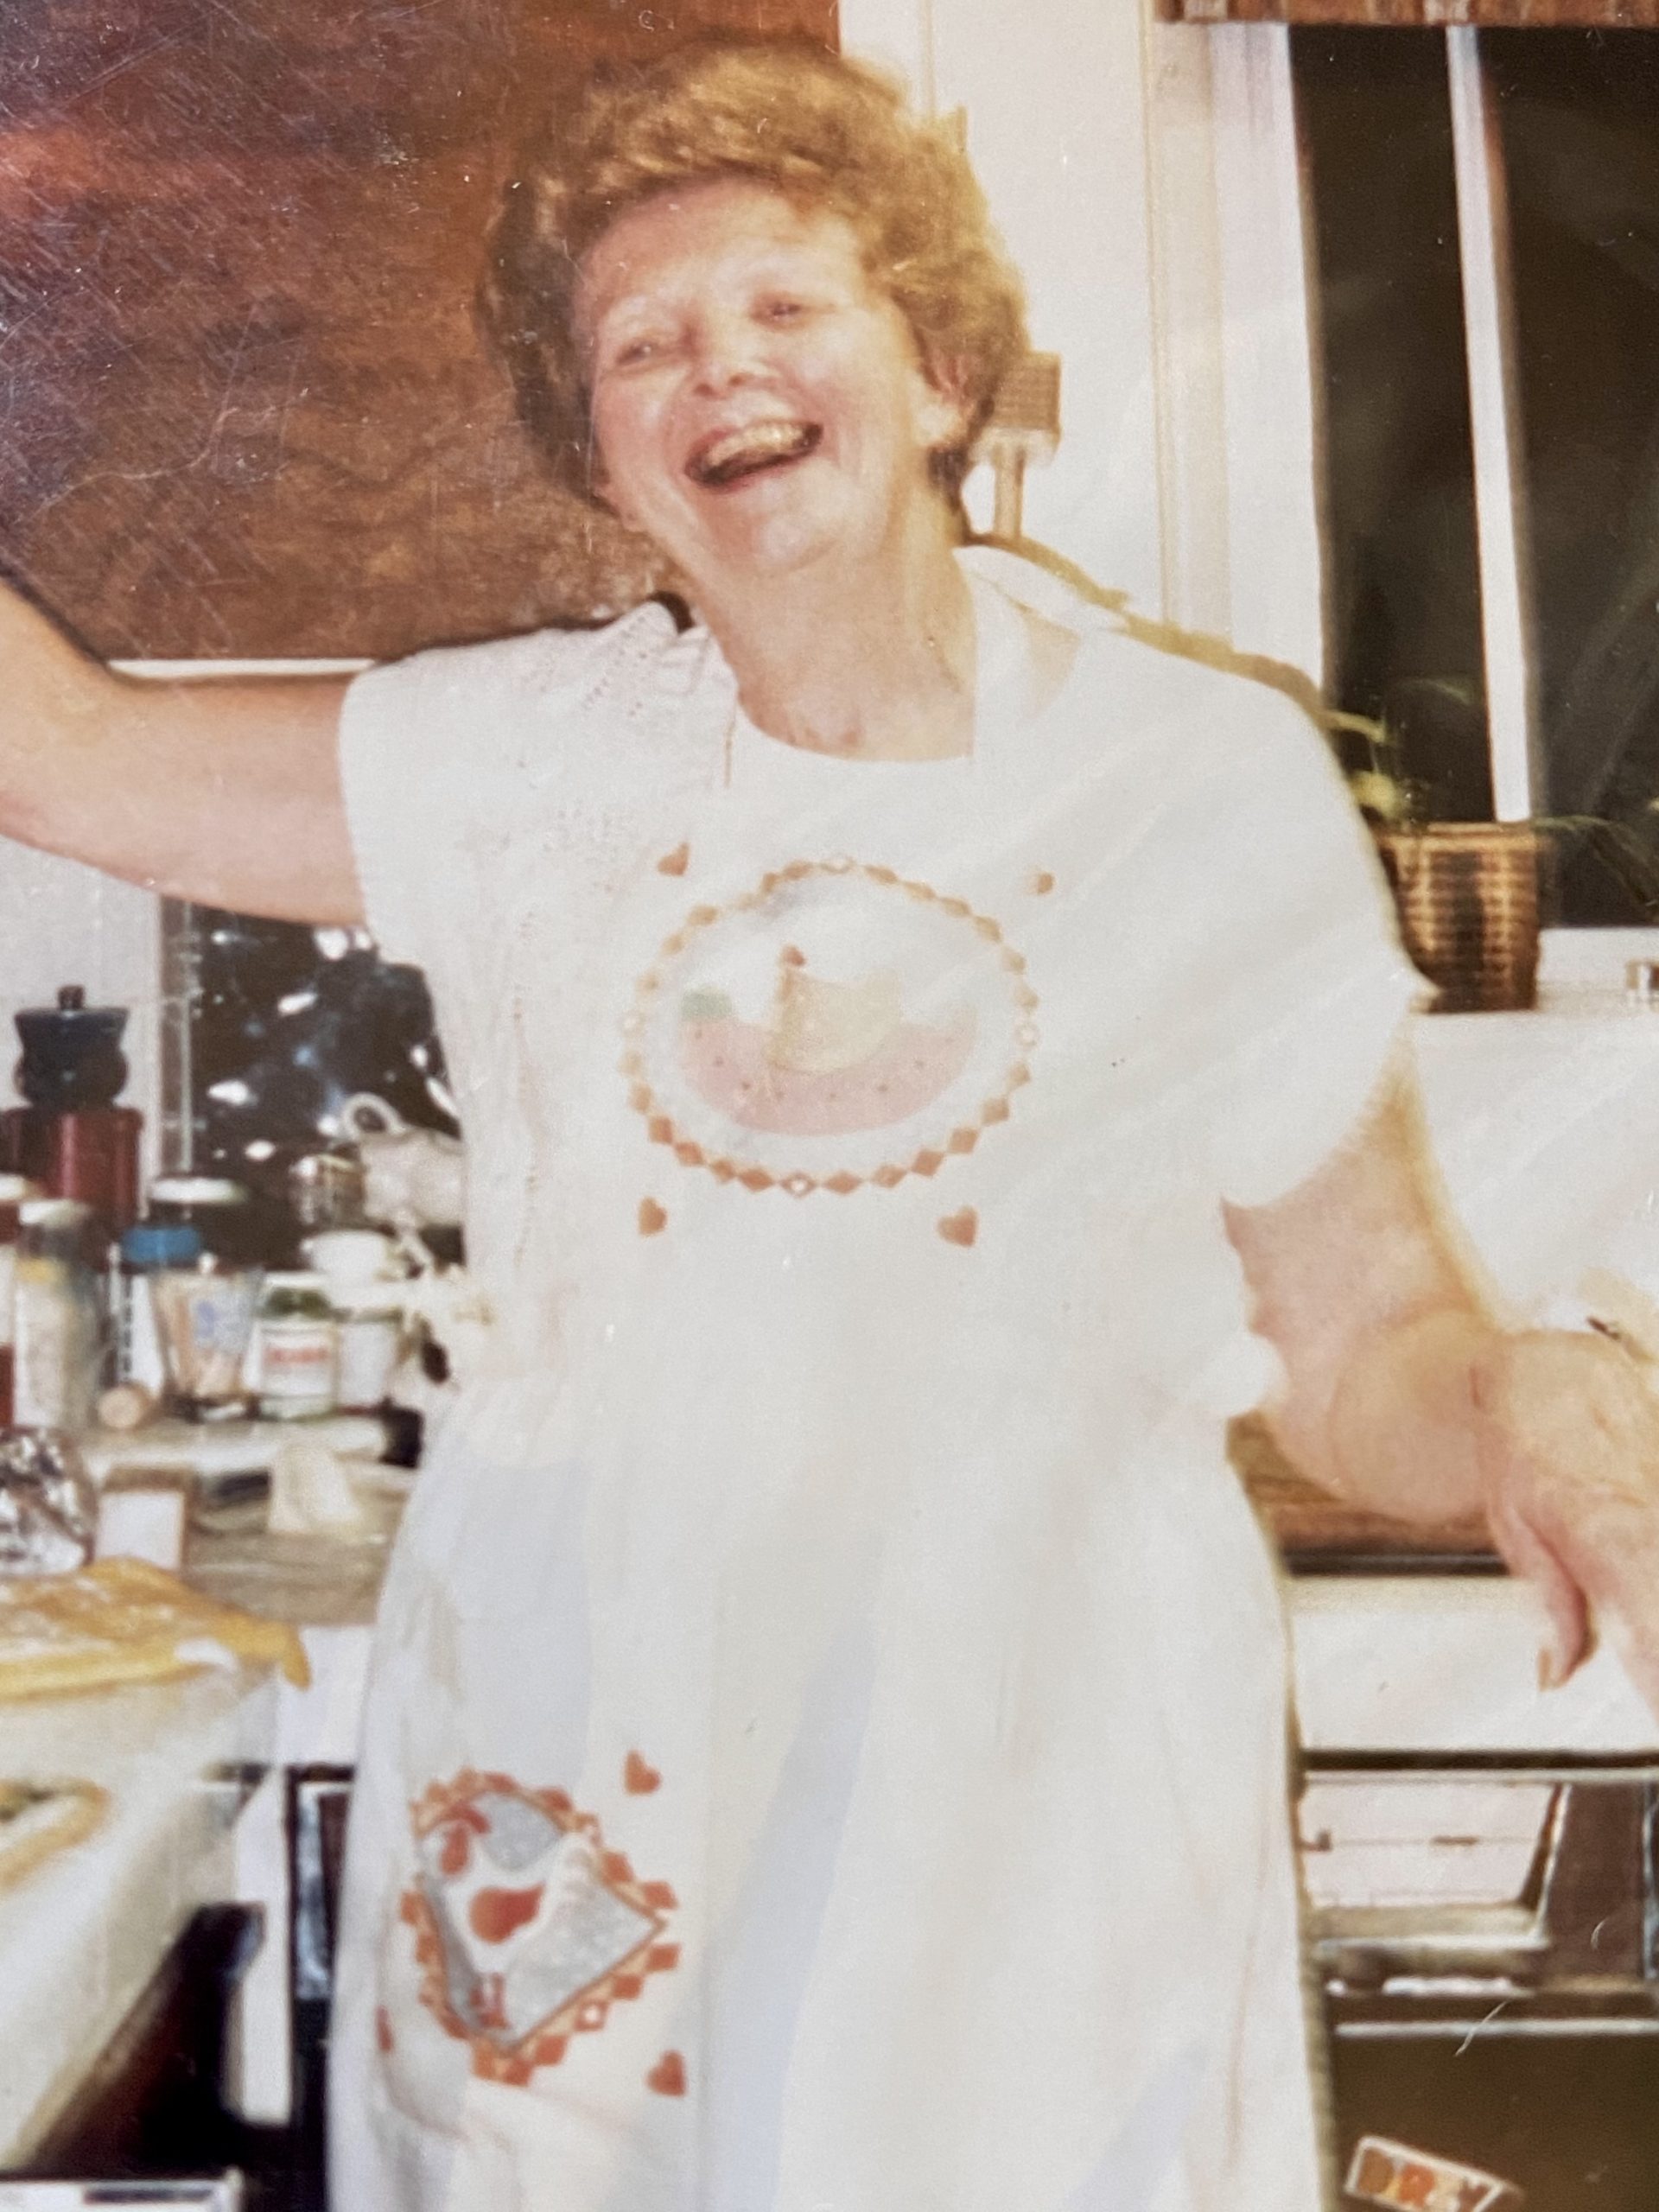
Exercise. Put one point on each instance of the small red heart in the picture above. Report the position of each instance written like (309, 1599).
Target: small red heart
(497, 1914)
(1042, 883)
(667, 2077)
(653, 1219)
(960, 1228)
(676, 862)
(638, 1778)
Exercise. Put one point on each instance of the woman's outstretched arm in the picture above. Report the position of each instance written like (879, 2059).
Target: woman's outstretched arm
(224, 792)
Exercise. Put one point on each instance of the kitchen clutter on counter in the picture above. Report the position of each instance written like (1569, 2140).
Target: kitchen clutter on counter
(196, 1349)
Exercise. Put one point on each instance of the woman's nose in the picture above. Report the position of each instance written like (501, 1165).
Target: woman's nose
(729, 351)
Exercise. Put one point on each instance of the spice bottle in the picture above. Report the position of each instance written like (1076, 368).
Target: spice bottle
(296, 1348)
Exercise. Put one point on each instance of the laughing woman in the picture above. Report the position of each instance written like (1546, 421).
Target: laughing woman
(825, 1748)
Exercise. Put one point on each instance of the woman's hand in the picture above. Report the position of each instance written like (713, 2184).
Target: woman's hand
(1567, 1439)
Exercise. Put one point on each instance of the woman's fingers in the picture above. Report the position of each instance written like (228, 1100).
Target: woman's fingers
(1570, 1636)
(1625, 1595)
(1571, 1464)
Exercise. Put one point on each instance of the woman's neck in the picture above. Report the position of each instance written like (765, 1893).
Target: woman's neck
(866, 657)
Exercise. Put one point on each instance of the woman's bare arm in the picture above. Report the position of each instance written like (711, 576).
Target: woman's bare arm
(1404, 1393)
(1359, 1282)
(224, 792)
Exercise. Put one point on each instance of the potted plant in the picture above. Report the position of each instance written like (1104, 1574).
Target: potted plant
(1468, 892)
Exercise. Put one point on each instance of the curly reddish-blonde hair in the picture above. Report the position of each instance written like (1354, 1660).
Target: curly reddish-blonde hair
(829, 136)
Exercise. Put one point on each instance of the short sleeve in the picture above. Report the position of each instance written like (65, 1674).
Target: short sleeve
(1310, 1010)
(450, 758)
(388, 770)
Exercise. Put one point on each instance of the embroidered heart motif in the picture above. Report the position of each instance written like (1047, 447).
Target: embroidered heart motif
(639, 1778)
(960, 1228)
(494, 1914)
(667, 2077)
(653, 1219)
(676, 862)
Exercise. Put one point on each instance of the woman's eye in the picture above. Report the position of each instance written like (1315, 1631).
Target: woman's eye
(636, 353)
(782, 310)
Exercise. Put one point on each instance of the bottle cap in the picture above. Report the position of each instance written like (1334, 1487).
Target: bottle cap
(53, 1213)
(162, 1244)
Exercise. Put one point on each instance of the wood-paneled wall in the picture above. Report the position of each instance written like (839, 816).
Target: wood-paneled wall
(243, 408)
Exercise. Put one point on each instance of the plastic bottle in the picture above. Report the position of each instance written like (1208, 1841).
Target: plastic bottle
(138, 1356)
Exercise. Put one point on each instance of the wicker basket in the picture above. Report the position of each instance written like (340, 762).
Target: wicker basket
(1467, 894)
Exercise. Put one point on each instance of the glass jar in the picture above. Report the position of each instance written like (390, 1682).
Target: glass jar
(204, 1317)
(370, 1327)
(14, 1189)
(54, 1317)
(295, 1350)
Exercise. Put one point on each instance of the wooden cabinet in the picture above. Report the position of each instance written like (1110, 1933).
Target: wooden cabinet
(247, 412)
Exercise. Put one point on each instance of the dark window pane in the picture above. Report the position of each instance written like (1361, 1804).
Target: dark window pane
(1402, 578)
(1581, 129)
(289, 1022)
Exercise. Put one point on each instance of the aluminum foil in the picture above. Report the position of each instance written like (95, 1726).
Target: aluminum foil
(49, 1508)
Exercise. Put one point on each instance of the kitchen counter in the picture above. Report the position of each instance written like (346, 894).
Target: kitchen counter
(1404, 1640)
(1430, 1668)
(1414, 1643)
(82, 1936)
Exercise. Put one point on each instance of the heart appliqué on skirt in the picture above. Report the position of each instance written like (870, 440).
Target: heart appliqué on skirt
(527, 1929)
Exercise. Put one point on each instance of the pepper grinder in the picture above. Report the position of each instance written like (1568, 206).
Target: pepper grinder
(71, 1139)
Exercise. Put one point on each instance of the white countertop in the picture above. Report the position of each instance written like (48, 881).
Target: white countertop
(1448, 1663)
(1382, 1663)
(81, 1937)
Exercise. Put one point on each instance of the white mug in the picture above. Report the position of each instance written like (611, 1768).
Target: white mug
(348, 1258)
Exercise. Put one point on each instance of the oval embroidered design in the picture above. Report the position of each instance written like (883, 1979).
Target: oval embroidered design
(837, 1026)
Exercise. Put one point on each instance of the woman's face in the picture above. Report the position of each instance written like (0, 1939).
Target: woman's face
(758, 401)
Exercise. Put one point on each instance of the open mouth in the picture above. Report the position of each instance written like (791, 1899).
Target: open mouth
(735, 455)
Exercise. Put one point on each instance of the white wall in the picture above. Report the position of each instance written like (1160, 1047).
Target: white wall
(1144, 176)
(60, 924)
(1052, 91)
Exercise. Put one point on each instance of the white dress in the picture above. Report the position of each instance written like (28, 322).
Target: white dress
(826, 1743)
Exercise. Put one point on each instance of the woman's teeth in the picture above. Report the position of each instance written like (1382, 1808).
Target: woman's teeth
(756, 446)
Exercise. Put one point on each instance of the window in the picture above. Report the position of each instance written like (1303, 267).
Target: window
(1568, 366)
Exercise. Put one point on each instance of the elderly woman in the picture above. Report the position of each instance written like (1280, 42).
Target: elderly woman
(826, 1740)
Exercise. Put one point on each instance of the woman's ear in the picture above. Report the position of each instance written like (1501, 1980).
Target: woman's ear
(947, 411)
